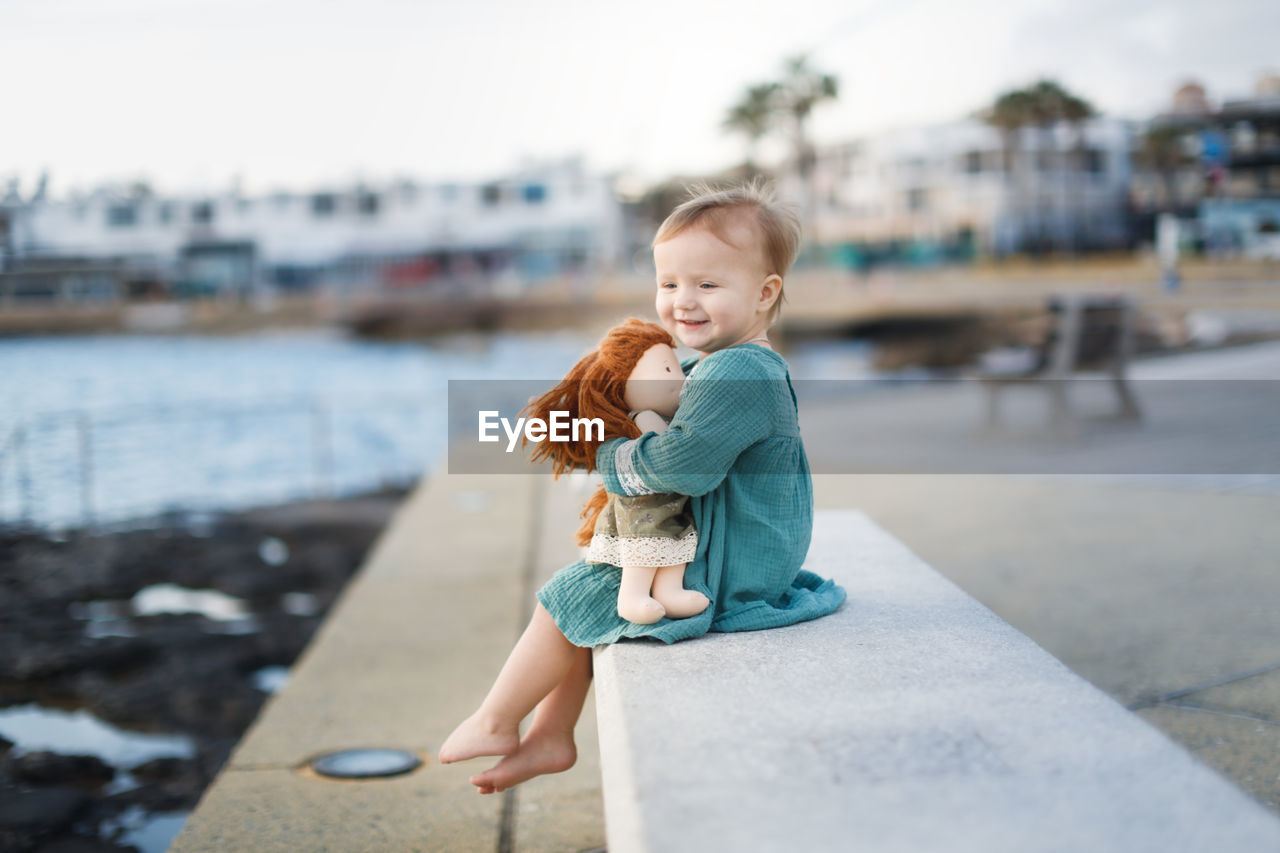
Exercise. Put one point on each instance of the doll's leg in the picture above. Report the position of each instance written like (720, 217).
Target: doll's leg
(634, 602)
(548, 746)
(668, 588)
(538, 663)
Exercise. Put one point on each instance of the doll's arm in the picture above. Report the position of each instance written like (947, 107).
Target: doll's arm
(718, 418)
(650, 421)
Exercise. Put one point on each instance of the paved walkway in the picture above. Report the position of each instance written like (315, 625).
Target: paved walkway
(1161, 589)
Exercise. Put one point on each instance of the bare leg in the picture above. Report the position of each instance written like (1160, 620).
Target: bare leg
(668, 588)
(538, 663)
(634, 602)
(548, 746)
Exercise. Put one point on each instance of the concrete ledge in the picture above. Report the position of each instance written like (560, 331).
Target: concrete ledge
(912, 719)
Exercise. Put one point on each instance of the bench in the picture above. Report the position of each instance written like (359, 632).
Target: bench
(912, 719)
(1089, 333)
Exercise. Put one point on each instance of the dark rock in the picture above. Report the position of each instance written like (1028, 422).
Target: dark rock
(76, 844)
(201, 690)
(112, 654)
(31, 814)
(161, 796)
(17, 693)
(176, 674)
(170, 784)
(25, 659)
(213, 754)
(249, 579)
(5, 744)
(83, 567)
(223, 709)
(16, 842)
(162, 769)
(282, 638)
(50, 768)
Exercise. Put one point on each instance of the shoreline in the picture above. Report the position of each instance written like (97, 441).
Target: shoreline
(124, 625)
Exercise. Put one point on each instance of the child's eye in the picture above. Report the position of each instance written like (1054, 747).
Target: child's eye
(707, 284)
(667, 284)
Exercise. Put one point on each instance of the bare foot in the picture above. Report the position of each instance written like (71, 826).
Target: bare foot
(642, 611)
(476, 737)
(683, 604)
(538, 753)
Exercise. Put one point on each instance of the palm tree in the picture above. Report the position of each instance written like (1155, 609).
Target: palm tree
(1010, 112)
(1054, 104)
(754, 116)
(801, 89)
(1163, 153)
(1040, 106)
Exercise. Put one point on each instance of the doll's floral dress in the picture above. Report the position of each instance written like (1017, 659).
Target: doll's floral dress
(644, 530)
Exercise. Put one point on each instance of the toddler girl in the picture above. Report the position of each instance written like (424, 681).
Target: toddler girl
(734, 447)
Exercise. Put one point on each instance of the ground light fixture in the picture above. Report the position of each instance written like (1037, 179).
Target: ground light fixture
(365, 763)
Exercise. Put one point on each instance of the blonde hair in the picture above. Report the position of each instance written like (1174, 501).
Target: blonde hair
(754, 203)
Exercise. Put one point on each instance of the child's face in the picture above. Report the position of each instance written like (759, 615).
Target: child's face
(712, 295)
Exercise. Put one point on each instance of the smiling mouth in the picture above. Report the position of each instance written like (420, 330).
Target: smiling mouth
(691, 322)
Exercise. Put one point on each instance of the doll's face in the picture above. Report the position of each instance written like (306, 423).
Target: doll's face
(655, 383)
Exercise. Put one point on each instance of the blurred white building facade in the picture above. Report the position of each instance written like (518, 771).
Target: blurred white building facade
(1216, 167)
(543, 221)
(965, 184)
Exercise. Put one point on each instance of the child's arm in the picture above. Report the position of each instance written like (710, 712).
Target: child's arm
(718, 418)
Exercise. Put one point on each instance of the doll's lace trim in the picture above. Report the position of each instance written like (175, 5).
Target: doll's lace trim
(649, 551)
(624, 464)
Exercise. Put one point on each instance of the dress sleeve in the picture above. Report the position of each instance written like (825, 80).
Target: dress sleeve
(721, 414)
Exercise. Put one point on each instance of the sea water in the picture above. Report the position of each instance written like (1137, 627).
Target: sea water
(103, 428)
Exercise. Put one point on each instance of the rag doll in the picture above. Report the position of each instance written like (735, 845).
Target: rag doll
(634, 371)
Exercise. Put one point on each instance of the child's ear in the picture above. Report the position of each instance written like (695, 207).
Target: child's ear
(770, 290)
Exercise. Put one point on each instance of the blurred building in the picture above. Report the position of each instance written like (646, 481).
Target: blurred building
(546, 220)
(954, 190)
(1217, 168)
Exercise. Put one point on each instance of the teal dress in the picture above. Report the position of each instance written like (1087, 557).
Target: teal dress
(734, 447)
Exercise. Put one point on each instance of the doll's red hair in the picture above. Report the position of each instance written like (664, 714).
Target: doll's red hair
(595, 388)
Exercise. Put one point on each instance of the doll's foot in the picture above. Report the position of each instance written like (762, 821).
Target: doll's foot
(537, 754)
(642, 611)
(685, 603)
(475, 737)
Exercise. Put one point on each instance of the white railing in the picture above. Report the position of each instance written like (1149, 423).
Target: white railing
(85, 468)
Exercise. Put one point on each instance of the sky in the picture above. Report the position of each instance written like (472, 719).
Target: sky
(297, 94)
